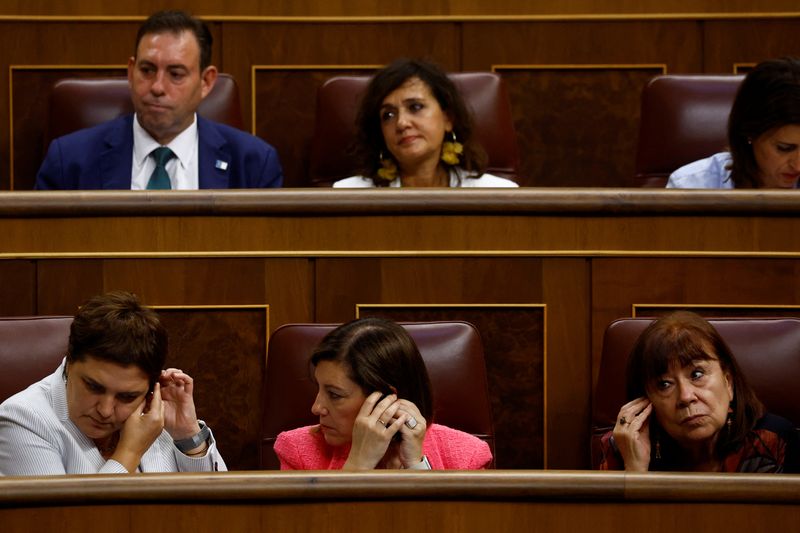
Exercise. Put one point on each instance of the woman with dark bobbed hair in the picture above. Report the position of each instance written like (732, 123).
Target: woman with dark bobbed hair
(691, 408)
(763, 135)
(109, 408)
(414, 130)
(375, 408)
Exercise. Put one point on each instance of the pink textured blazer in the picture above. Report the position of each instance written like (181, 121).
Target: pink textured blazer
(446, 449)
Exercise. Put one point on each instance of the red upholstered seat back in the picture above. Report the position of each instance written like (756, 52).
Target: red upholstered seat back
(683, 119)
(767, 350)
(30, 349)
(77, 103)
(338, 99)
(453, 355)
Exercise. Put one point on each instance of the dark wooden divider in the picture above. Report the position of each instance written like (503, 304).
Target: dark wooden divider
(406, 501)
(541, 271)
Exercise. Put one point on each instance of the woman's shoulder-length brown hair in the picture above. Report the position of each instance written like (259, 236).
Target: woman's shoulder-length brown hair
(370, 143)
(379, 355)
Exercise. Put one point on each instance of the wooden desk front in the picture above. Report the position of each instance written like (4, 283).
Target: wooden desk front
(404, 501)
(540, 271)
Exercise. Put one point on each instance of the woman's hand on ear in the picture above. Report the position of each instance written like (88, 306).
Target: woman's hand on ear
(373, 430)
(139, 431)
(632, 434)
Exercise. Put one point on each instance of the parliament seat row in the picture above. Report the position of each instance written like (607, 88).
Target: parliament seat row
(767, 349)
(683, 118)
(32, 347)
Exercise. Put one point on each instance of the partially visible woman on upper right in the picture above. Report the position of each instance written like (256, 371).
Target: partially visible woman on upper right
(763, 135)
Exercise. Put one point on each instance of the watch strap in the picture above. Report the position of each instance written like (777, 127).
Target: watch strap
(190, 443)
(422, 465)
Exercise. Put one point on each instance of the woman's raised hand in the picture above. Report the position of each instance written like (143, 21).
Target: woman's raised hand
(632, 434)
(412, 431)
(373, 429)
(180, 417)
(139, 431)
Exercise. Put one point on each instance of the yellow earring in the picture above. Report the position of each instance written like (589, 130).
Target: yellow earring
(388, 170)
(452, 150)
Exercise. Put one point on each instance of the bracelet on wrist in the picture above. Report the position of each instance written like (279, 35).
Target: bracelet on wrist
(200, 452)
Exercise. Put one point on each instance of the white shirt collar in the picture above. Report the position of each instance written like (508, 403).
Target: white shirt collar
(182, 169)
(183, 146)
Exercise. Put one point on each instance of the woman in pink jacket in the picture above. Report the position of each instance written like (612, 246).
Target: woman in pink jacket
(375, 405)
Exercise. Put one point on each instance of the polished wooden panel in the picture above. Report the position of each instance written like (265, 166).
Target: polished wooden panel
(566, 289)
(719, 310)
(550, 110)
(462, 516)
(181, 282)
(449, 501)
(283, 283)
(17, 288)
(556, 221)
(225, 352)
(415, 8)
(289, 290)
(730, 42)
(474, 280)
(676, 44)
(575, 90)
(64, 284)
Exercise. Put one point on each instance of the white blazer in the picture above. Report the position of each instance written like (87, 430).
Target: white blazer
(458, 178)
(38, 438)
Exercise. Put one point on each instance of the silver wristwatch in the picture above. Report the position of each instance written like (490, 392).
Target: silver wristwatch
(422, 465)
(190, 443)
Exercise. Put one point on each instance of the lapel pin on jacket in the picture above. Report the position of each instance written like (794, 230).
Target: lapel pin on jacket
(222, 165)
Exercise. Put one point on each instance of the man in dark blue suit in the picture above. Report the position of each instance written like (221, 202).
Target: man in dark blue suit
(164, 145)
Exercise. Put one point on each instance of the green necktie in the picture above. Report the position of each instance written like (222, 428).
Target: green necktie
(159, 179)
